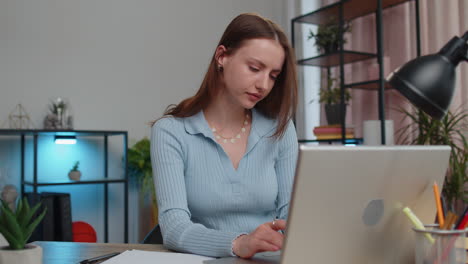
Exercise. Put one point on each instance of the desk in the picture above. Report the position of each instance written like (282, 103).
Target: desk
(73, 252)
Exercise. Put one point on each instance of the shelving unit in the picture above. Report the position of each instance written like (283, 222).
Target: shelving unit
(352, 9)
(345, 11)
(333, 59)
(105, 180)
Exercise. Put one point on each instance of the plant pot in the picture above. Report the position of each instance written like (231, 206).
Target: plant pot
(331, 48)
(3, 241)
(74, 175)
(32, 254)
(333, 114)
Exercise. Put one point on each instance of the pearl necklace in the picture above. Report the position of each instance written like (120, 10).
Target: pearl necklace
(233, 140)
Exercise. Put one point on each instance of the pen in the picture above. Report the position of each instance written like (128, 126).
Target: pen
(449, 221)
(462, 220)
(99, 258)
(440, 213)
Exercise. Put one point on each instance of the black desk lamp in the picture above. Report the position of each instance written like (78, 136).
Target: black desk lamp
(429, 81)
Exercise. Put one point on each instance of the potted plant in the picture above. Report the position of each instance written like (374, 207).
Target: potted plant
(327, 38)
(139, 168)
(74, 173)
(331, 97)
(17, 227)
(451, 131)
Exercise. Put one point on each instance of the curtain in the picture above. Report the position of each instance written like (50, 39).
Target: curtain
(439, 21)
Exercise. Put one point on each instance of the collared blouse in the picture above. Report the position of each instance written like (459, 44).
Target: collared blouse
(205, 203)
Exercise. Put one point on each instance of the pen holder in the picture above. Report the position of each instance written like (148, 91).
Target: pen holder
(438, 246)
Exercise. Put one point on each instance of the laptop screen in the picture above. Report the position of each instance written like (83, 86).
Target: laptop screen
(346, 202)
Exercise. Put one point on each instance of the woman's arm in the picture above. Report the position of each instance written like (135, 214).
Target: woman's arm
(285, 168)
(179, 232)
(266, 237)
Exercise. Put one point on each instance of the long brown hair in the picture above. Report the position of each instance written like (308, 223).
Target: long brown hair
(280, 104)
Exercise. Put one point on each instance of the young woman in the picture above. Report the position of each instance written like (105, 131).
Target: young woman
(224, 159)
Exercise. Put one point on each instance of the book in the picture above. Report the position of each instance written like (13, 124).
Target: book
(62, 216)
(45, 231)
(333, 136)
(33, 199)
(63, 204)
(334, 129)
(48, 223)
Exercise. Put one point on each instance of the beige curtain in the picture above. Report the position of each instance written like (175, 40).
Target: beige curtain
(440, 20)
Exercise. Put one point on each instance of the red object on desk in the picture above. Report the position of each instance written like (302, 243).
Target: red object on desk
(83, 232)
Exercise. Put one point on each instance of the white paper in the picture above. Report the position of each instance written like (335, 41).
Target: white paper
(152, 257)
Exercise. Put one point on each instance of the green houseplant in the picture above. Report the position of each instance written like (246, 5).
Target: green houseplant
(139, 168)
(451, 131)
(332, 93)
(327, 38)
(331, 97)
(17, 226)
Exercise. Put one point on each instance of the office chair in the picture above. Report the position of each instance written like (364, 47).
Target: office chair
(154, 236)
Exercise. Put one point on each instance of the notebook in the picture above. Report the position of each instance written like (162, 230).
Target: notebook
(346, 204)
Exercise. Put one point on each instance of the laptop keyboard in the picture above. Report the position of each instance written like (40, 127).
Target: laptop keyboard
(269, 254)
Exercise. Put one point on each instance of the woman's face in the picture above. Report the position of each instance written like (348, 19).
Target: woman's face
(250, 72)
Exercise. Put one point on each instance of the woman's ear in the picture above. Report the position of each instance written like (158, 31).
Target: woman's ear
(220, 55)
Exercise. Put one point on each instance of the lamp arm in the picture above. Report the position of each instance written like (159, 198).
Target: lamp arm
(456, 49)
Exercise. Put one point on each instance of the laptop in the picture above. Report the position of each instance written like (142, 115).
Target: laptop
(347, 204)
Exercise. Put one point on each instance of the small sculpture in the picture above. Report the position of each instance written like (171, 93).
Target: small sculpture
(19, 119)
(59, 116)
(9, 195)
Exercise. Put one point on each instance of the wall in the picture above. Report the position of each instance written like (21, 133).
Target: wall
(119, 63)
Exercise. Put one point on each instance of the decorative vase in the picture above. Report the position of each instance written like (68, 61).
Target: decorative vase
(74, 175)
(31, 254)
(333, 113)
(3, 241)
(60, 113)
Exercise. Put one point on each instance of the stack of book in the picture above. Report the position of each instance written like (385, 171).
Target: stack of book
(330, 132)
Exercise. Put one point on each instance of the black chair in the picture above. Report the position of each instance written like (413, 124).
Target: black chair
(154, 236)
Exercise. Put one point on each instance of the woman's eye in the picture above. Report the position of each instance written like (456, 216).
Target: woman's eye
(253, 69)
(273, 77)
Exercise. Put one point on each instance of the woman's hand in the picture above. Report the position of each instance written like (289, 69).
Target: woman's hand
(265, 238)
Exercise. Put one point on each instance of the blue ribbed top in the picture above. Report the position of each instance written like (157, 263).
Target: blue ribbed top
(203, 202)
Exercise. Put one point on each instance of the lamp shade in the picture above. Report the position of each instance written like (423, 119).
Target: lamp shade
(429, 81)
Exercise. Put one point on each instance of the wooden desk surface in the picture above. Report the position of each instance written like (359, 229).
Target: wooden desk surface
(73, 252)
